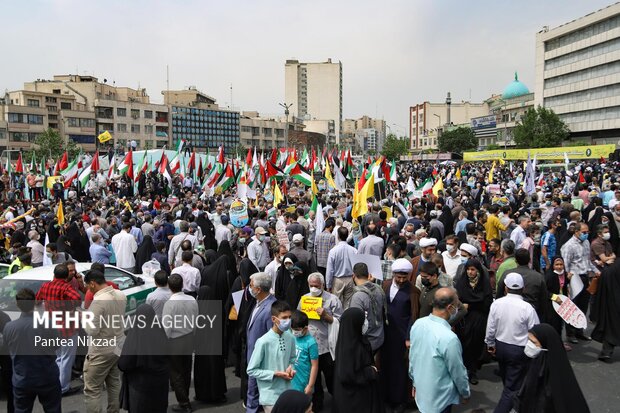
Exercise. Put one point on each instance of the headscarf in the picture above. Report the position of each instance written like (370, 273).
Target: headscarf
(210, 256)
(353, 351)
(283, 277)
(292, 401)
(551, 377)
(614, 238)
(447, 220)
(225, 250)
(208, 231)
(215, 275)
(480, 292)
(144, 253)
(148, 340)
(298, 285)
(246, 269)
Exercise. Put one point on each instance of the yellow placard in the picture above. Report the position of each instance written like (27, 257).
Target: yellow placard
(309, 306)
(51, 180)
(550, 154)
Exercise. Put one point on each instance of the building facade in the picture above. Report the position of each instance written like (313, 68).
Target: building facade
(426, 120)
(261, 132)
(578, 74)
(315, 91)
(350, 128)
(197, 119)
(369, 140)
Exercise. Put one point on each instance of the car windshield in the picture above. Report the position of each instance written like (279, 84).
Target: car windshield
(10, 287)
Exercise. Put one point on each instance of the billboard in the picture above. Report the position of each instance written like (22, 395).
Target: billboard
(483, 122)
(551, 154)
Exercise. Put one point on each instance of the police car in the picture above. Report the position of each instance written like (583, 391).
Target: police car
(135, 288)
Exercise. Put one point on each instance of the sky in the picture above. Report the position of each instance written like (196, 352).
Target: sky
(394, 53)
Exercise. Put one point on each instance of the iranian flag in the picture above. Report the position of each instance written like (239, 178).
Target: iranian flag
(127, 165)
(301, 174)
(175, 163)
(426, 187)
(85, 174)
(143, 166)
(70, 173)
(212, 177)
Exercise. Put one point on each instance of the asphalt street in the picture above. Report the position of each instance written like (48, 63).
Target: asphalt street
(599, 383)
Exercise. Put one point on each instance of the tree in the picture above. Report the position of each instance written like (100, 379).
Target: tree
(394, 147)
(51, 144)
(458, 140)
(540, 128)
(493, 147)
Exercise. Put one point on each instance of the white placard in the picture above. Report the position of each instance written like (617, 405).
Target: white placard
(570, 312)
(236, 296)
(576, 285)
(372, 261)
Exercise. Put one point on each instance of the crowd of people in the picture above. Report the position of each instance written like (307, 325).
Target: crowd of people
(470, 274)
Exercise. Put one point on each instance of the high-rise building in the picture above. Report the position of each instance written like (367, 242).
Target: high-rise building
(578, 74)
(353, 131)
(196, 118)
(315, 90)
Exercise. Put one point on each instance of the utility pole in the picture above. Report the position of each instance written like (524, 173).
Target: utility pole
(286, 107)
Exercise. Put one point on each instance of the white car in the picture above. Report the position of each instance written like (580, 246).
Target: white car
(135, 288)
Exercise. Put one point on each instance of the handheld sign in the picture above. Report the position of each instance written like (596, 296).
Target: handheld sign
(239, 213)
(570, 312)
(309, 306)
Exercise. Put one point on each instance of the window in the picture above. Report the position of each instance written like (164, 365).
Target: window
(121, 127)
(23, 118)
(49, 99)
(255, 131)
(52, 117)
(106, 113)
(148, 129)
(33, 103)
(148, 114)
(247, 129)
(122, 112)
(65, 105)
(87, 123)
(35, 119)
(73, 122)
(267, 132)
(135, 128)
(52, 109)
(135, 113)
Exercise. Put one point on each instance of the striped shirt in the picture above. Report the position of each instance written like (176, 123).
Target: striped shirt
(576, 256)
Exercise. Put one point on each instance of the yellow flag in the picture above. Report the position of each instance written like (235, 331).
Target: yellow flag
(438, 186)
(328, 176)
(60, 214)
(458, 173)
(315, 190)
(491, 173)
(277, 196)
(104, 136)
(363, 195)
(355, 200)
(501, 161)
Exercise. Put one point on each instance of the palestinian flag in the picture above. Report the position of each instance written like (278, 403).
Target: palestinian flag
(302, 175)
(180, 145)
(127, 165)
(220, 155)
(426, 187)
(212, 177)
(249, 157)
(70, 173)
(191, 167)
(164, 169)
(143, 167)
(226, 179)
(393, 172)
(274, 172)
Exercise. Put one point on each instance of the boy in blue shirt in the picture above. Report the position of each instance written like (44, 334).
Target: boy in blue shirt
(307, 359)
(273, 357)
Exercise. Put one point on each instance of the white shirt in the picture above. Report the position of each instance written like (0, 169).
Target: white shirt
(191, 277)
(518, 235)
(157, 298)
(37, 250)
(124, 245)
(451, 263)
(509, 321)
(272, 270)
(222, 232)
(393, 290)
(179, 305)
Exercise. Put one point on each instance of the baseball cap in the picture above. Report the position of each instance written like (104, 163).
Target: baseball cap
(514, 281)
(260, 231)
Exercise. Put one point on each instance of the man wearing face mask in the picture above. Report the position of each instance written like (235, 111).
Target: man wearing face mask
(331, 308)
(259, 323)
(441, 380)
(452, 255)
(36, 248)
(576, 254)
(601, 251)
(258, 250)
(403, 308)
(508, 324)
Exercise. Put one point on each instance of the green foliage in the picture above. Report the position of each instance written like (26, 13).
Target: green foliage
(493, 147)
(458, 140)
(51, 144)
(394, 147)
(580, 143)
(540, 128)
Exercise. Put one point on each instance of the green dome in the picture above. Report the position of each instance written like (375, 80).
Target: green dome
(515, 89)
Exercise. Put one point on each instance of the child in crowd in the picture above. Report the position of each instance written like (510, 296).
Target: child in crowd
(273, 357)
(307, 360)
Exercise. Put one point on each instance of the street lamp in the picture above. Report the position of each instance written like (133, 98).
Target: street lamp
(286, 107)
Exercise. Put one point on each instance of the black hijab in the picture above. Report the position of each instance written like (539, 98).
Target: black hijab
(246, 269)
(283, 278)
(606, 308)
(225, 250)
(208, 231)
(614, 238)
(550, 380)
(144, 253)
(210, 256)
(447, 220)
(292, 401)
(353, 351)
(147, 340)
(481, 292)
(215, 276)
(298, 285)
